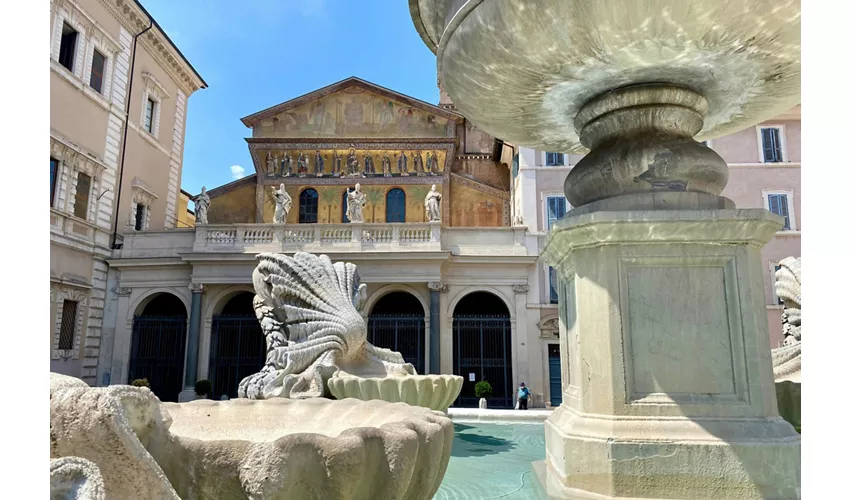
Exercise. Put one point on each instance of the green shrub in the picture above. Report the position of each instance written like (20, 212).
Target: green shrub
(141, 382)
(483, 389)
(203, 387)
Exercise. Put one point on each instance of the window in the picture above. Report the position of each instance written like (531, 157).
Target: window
(554, 159)
(98, 63)
(515, 165)
(556, 208)
(150, 109)
(778, 204)
(771, 144)
(553, 286)
(69, 324)
(395, 205)
(308, 207)
(81, 197)
(776, 299)
(54, 172)
(68, 47)
(141, 213)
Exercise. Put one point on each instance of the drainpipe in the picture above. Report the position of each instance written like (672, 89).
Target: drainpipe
(124, 141)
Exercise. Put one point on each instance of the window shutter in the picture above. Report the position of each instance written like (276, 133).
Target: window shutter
(771, 146)
(778, 204)
(553, 286)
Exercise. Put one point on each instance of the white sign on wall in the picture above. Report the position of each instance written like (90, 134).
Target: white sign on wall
(472, 377)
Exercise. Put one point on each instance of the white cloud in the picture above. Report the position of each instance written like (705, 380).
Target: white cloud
(237, 172)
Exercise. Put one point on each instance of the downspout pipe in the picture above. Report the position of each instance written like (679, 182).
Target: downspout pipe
(129, 101)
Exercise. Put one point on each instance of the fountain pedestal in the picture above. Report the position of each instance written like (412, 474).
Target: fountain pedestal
(665, 359)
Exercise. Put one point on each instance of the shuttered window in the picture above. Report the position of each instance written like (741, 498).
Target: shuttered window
(556, 208)
(778, 204)
(554, 159)
(771, 145)
(553, 286)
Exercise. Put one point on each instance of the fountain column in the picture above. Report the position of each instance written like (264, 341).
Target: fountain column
(668, 387)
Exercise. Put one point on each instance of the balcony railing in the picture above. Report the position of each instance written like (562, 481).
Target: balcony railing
(351, 237)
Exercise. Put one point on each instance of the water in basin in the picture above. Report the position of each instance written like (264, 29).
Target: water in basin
(491, 461)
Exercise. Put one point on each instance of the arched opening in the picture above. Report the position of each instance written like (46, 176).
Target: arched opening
(397, 322)
(481, 334)
(308, 206)
(158, 346)
(395, 205)
(237, 345)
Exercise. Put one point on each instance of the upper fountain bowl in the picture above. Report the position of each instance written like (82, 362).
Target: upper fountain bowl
(522, 69)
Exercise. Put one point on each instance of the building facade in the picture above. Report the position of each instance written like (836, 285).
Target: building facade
(466, 294)
(103, 167)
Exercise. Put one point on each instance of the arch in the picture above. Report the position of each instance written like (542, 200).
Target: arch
(472, 289)
(137, 306)
(237, 343)
(395, 205)
(482, 344)
(384, 290)
(308, 206)
(219, 300)
(397, 322)
(158, 343)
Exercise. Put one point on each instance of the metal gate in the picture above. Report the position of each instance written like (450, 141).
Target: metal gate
(237, 350)
(158, 352)
(402, 333)
(555, 391)
(482, 349)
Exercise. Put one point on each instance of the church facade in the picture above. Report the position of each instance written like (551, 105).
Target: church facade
(448, 280)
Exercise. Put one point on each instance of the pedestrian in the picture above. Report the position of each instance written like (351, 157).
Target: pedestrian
(522, 396)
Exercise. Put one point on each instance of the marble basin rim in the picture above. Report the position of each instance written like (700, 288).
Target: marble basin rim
(305, 448)
(436, 392)
(522, 70)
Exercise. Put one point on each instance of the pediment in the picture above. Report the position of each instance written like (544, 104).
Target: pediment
(353, 108)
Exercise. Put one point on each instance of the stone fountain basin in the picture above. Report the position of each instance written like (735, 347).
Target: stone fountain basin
(311, 448)
(436, 392)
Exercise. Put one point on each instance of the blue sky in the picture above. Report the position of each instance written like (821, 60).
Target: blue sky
(257, 53)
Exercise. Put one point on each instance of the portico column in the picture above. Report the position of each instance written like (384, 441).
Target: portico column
(434, 362)
(192, 345)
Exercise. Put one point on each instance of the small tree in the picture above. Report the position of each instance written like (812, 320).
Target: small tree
(141, 382)
(374, 196)
(483, 389)
(203, 387)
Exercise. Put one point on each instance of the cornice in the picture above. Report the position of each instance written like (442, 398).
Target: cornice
(135, 19)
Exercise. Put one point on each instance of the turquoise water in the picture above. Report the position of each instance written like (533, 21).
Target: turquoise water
(492, 461)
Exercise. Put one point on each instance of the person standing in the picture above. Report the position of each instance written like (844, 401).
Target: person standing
(522, 396)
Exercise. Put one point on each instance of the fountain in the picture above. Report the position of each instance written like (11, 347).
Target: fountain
(667, 372)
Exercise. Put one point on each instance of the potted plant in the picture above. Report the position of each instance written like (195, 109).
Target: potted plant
(203, 388)
(141, 382)
(483, 390)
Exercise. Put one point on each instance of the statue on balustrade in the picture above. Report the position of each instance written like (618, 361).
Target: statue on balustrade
(337, 164)
(368, 164)
(356, 201)
(432, 204)
(319, 164)
(286, 164)
(202, 206)
(282, 204)
(385, 165)
(353, 165)
(402, 164)
(417, 163)
(271, 163)
(302, 164)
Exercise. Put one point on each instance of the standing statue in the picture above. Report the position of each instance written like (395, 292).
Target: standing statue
(402, 164)
(319, 164)
(271, 163)
(435, 164)
(417, 163)
(202, 206)
(787, 362)
(337, 164)
(428, 163)
(302, 164)
(309, 311)
(432, 204)
(353, 165)
(286, 164)
(385, 165)
(368, 164)
(282, 204)
(356, 201)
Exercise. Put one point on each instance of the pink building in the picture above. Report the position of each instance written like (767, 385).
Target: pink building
(764, 172)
